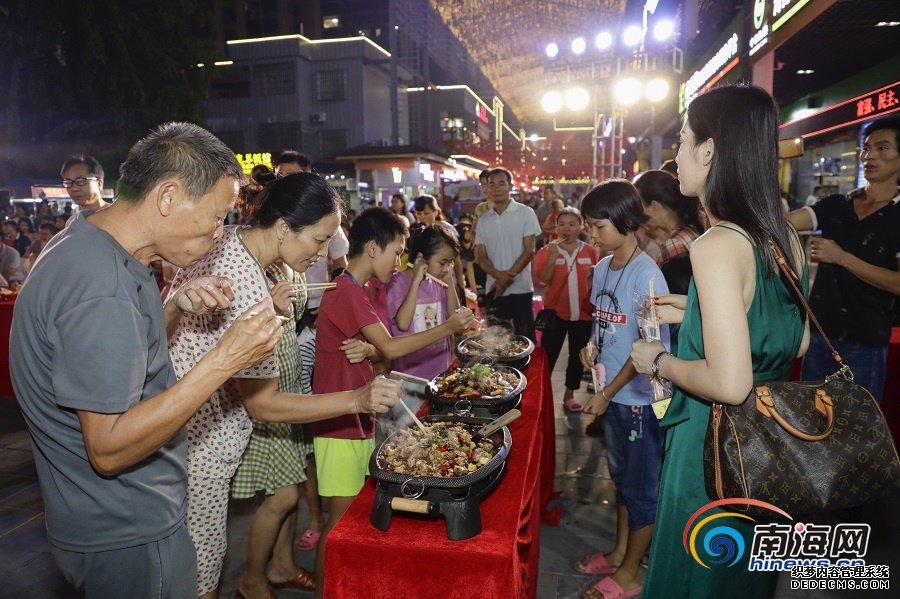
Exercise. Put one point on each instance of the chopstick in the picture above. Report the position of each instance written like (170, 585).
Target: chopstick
(413, 414)
(409, 378)
(315, 285)
(437, 280)
(653, 316)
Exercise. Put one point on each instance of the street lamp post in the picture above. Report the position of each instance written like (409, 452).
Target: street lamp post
(635, 83)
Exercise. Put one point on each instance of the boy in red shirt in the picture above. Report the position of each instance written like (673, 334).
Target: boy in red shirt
(348, 323)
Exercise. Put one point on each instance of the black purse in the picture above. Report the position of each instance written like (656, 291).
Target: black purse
(804, 447)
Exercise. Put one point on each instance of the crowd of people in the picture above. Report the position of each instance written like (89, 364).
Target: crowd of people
(166, 362)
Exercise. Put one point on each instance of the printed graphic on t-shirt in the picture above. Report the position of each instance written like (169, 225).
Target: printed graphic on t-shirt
(609, 317)
(427, 316)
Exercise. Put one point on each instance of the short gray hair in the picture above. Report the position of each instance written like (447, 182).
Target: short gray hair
(181, 150)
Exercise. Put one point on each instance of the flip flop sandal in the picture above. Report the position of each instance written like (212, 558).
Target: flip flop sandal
(572, 405)
(302, 580)
(610, 589)
(595, 563)
(308, 540)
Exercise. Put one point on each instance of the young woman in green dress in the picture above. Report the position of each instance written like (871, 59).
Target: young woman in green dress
(739, 323)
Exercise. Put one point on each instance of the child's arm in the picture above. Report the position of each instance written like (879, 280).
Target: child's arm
(392, 348)
(600, 401)
(404, 316)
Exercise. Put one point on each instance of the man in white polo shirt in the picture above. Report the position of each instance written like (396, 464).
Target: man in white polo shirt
(504, 247)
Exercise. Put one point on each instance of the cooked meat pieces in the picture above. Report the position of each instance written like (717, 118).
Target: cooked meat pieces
(443, 450)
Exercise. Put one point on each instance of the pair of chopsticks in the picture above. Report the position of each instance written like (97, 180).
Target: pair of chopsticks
(437, 280)
(315, 286)
(411, 378)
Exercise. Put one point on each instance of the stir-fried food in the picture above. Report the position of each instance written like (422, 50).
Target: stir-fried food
(476, 382)
(501, 348)
(444, 450)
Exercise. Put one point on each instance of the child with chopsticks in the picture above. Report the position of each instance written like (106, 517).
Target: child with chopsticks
(634, 440)
(418, 299)
(348, 320)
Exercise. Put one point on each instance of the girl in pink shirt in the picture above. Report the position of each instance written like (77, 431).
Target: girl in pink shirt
(419, 303)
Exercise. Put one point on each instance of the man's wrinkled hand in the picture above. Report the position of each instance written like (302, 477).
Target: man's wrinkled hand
(204, 295)
(253, 336)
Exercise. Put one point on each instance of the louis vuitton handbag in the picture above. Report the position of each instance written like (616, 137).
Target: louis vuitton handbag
(805, 447)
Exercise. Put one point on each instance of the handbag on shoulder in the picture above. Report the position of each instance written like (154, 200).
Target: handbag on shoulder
(804, 447)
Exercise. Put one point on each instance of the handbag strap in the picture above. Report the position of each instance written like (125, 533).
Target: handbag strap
(792, 280)
(568, 272)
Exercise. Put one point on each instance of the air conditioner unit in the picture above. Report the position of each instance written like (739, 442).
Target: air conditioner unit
(317, 117)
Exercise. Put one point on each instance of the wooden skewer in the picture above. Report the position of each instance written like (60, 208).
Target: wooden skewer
(653, 316)
(437, 280)
(411, 413)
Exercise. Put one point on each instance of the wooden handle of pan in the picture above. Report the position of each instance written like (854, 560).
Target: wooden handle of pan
(417, 506)
(500, 422)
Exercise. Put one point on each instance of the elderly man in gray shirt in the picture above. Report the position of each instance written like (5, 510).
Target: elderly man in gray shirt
(92, 374)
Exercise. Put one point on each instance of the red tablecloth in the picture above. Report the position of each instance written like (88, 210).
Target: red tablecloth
(6, 314)
(415, 559)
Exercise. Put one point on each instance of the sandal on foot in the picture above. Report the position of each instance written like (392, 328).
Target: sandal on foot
(595, 563)
(302, 580)
(308, 540)
(610, 589)
(572, 405)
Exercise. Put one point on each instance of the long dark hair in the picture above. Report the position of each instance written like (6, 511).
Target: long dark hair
(301, 199)
(660, 186)
(742, 184)
(617, 200)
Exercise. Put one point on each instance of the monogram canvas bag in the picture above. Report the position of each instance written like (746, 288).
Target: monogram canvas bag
(803, 446)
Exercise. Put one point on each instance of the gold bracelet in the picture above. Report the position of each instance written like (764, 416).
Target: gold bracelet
(603, 394)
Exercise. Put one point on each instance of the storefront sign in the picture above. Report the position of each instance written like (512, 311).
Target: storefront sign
(561, 181)
(725, 59)
(249, 160)
(759, 39)
(861, 108)
(766, 22)
(784, 10)
(482, 112)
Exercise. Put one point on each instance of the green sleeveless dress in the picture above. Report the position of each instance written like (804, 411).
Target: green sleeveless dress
(776, 330)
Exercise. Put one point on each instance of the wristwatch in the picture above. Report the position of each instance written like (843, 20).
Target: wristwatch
(654, 367)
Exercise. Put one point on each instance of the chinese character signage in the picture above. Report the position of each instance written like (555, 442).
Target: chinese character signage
(251, 159)
(868, 106)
